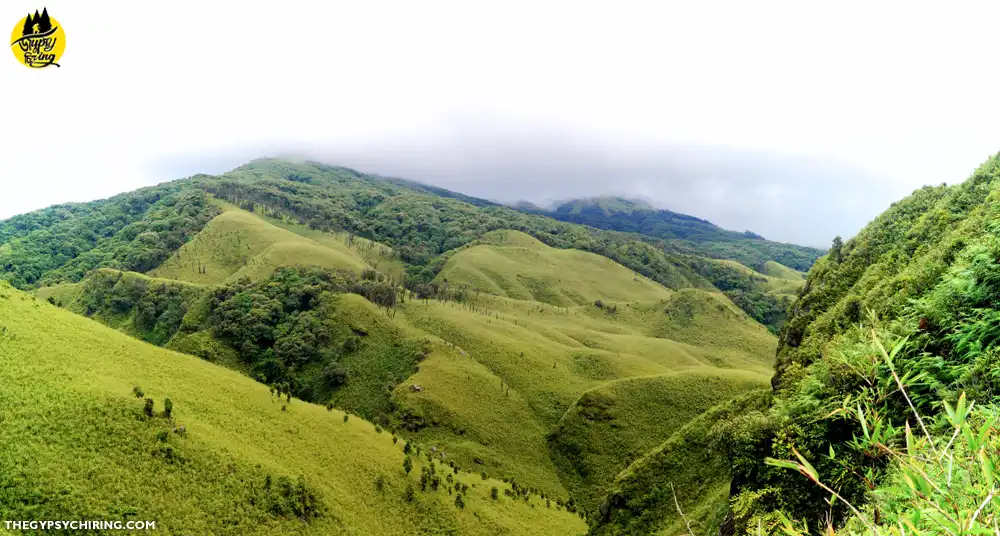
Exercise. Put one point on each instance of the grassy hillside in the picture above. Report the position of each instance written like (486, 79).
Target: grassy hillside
(478, 332)
(691, 470)
(526, 362)
(516, 265)
(238, 243)
(76, 444)
(480, 363)
(616, 423)
(781, 271)
(703, 237)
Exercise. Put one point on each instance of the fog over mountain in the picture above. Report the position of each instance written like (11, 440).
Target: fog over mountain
(769, 194)
(815, 122)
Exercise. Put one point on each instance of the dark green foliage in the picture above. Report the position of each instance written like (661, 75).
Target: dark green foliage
(154, 308)
(345, 417)
(459, 501)
(137, 391)
(746, 292)
(409, 494)
(927, 269)
(148, 407)
(168, 408)
(289, 329)
(293, 499)
(494, 493)
(135, 231)
(701, 236)
(421, 227)
(407, 464)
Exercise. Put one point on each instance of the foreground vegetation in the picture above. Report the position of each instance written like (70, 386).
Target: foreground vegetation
(881, 419)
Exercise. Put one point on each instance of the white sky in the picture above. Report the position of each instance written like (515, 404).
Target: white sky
(903, 92)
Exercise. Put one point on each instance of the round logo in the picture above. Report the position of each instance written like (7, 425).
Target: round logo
(38, 40)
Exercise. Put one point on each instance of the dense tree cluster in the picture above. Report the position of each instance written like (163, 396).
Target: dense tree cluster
(156, 308)
(135, 231)
(282, 325)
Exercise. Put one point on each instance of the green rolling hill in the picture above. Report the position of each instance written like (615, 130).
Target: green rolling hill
(515, 265)
(77, 444)
(539, 357)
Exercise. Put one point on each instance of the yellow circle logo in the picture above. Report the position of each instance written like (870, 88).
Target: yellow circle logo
(38, 40)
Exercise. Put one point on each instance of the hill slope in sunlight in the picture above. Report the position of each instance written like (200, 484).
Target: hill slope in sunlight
(78, 444)
(515, 265)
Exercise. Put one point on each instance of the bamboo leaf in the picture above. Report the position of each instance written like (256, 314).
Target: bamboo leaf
(987, 467)
(787, 464)
(809, 469)
(909, 440)
(864, 423)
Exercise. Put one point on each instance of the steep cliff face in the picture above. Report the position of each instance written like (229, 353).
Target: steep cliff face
(926, 275)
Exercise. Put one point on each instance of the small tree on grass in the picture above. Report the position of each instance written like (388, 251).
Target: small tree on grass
(459, 501)
(410, 494)
(494, 493)
(137, 391)
(407, 464)
(148, 409)
(345, 417)
(168, 408)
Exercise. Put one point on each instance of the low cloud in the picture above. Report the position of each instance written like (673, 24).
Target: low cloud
(788, 198)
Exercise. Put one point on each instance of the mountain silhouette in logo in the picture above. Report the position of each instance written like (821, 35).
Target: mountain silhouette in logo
(37, 24)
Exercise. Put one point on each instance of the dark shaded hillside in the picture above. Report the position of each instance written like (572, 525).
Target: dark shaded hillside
(702, 236)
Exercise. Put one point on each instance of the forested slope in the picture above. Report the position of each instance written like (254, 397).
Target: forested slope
(696, 234)
(885, 387)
